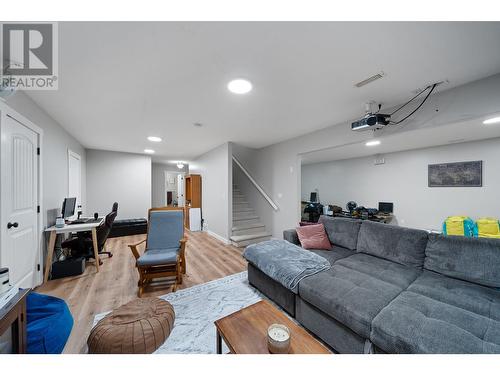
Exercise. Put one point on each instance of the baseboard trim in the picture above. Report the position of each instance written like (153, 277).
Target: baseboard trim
(218, 237)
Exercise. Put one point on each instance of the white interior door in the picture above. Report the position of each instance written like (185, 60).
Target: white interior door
(180, 190)
(19, 200)
(75, 177)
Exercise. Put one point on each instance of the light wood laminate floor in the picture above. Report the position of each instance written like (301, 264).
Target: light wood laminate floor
(90, 294)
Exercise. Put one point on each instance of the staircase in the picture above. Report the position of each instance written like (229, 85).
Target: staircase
(247, 229)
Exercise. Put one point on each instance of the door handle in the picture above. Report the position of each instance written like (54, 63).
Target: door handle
(10, 225)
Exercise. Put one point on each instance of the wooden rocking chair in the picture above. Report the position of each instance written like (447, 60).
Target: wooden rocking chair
(164, 255)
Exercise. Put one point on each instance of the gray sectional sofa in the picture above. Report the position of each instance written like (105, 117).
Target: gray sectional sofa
(397, 290)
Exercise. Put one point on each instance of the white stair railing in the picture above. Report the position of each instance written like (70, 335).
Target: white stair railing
(257, 186)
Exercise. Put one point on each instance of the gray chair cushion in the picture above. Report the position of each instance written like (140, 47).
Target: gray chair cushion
(158, 257)
(166, 229)
(438, 314)
(401, 245)
(336, 253)
(291, 236)
(471, 259)
(341, 231)
(356, 288)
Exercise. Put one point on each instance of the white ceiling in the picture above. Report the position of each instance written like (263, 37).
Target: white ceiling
(120, 82)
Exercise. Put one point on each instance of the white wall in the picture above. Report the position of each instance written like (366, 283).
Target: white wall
(403, 180)
(118, 177)
(277, 167)
(158, 184)
(54, 151)
(216, 180)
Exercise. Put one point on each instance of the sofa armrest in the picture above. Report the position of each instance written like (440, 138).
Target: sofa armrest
(290, 235)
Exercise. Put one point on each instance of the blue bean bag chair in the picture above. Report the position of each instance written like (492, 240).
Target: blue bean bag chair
(49, 324)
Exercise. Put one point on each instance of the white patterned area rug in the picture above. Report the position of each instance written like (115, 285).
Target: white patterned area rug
(198, 307)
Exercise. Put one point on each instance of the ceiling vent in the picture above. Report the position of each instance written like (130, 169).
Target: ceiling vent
(370, 79)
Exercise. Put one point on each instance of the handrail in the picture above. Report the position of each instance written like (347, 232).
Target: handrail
(257, 186)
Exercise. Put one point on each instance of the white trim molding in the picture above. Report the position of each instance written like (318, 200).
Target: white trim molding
(218, 237)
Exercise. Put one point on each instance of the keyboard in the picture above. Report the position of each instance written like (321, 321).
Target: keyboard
(84, 221)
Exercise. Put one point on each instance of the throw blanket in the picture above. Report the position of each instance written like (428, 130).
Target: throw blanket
(285, 262)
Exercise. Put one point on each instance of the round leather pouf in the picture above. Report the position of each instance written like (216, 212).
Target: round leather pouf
(138, 327)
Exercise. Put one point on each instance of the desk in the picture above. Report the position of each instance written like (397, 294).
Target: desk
(380, 218)
(54, 231)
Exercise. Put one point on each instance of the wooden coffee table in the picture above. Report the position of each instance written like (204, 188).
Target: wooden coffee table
(245, 331)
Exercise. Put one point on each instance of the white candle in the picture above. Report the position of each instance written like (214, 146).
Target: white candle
(278, 334)
(278, 338)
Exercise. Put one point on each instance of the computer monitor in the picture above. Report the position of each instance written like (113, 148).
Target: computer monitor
(314, 197)
(68, 208)
(386, 207)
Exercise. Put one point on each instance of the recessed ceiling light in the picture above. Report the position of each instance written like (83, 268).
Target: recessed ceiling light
(375, 142)
(198, 124)
(239, 86)
(493, 120)
(149, 151)
(154, 139)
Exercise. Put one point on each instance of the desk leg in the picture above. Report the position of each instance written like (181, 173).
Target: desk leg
(50, 254)
(96, 248)
(219, 343)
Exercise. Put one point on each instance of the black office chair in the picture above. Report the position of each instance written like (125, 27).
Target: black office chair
(82, 244)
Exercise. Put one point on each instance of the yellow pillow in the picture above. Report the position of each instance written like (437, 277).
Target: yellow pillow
(455, 225)
(488, 227)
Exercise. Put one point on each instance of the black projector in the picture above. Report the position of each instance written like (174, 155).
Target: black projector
(376, 121)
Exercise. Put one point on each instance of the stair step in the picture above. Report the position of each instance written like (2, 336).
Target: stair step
(247, 239)
(250, 236)
(242, 209)
(244, 217)
(247, 226)
(238, 204)
(238, 196)
(240, 232)
(240, 222)
(239, 201)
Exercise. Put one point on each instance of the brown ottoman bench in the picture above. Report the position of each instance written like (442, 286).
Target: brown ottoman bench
(138, 327)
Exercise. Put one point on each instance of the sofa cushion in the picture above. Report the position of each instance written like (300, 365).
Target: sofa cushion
(334, 254)
(156, 257)
(313, 237)
(438, 314)
(401, 245)
(341, 231)
(356, 288)
(291, 236)
(129, 222)
(472, 259)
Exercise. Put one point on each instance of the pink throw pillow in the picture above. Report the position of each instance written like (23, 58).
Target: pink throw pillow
(314, 237)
